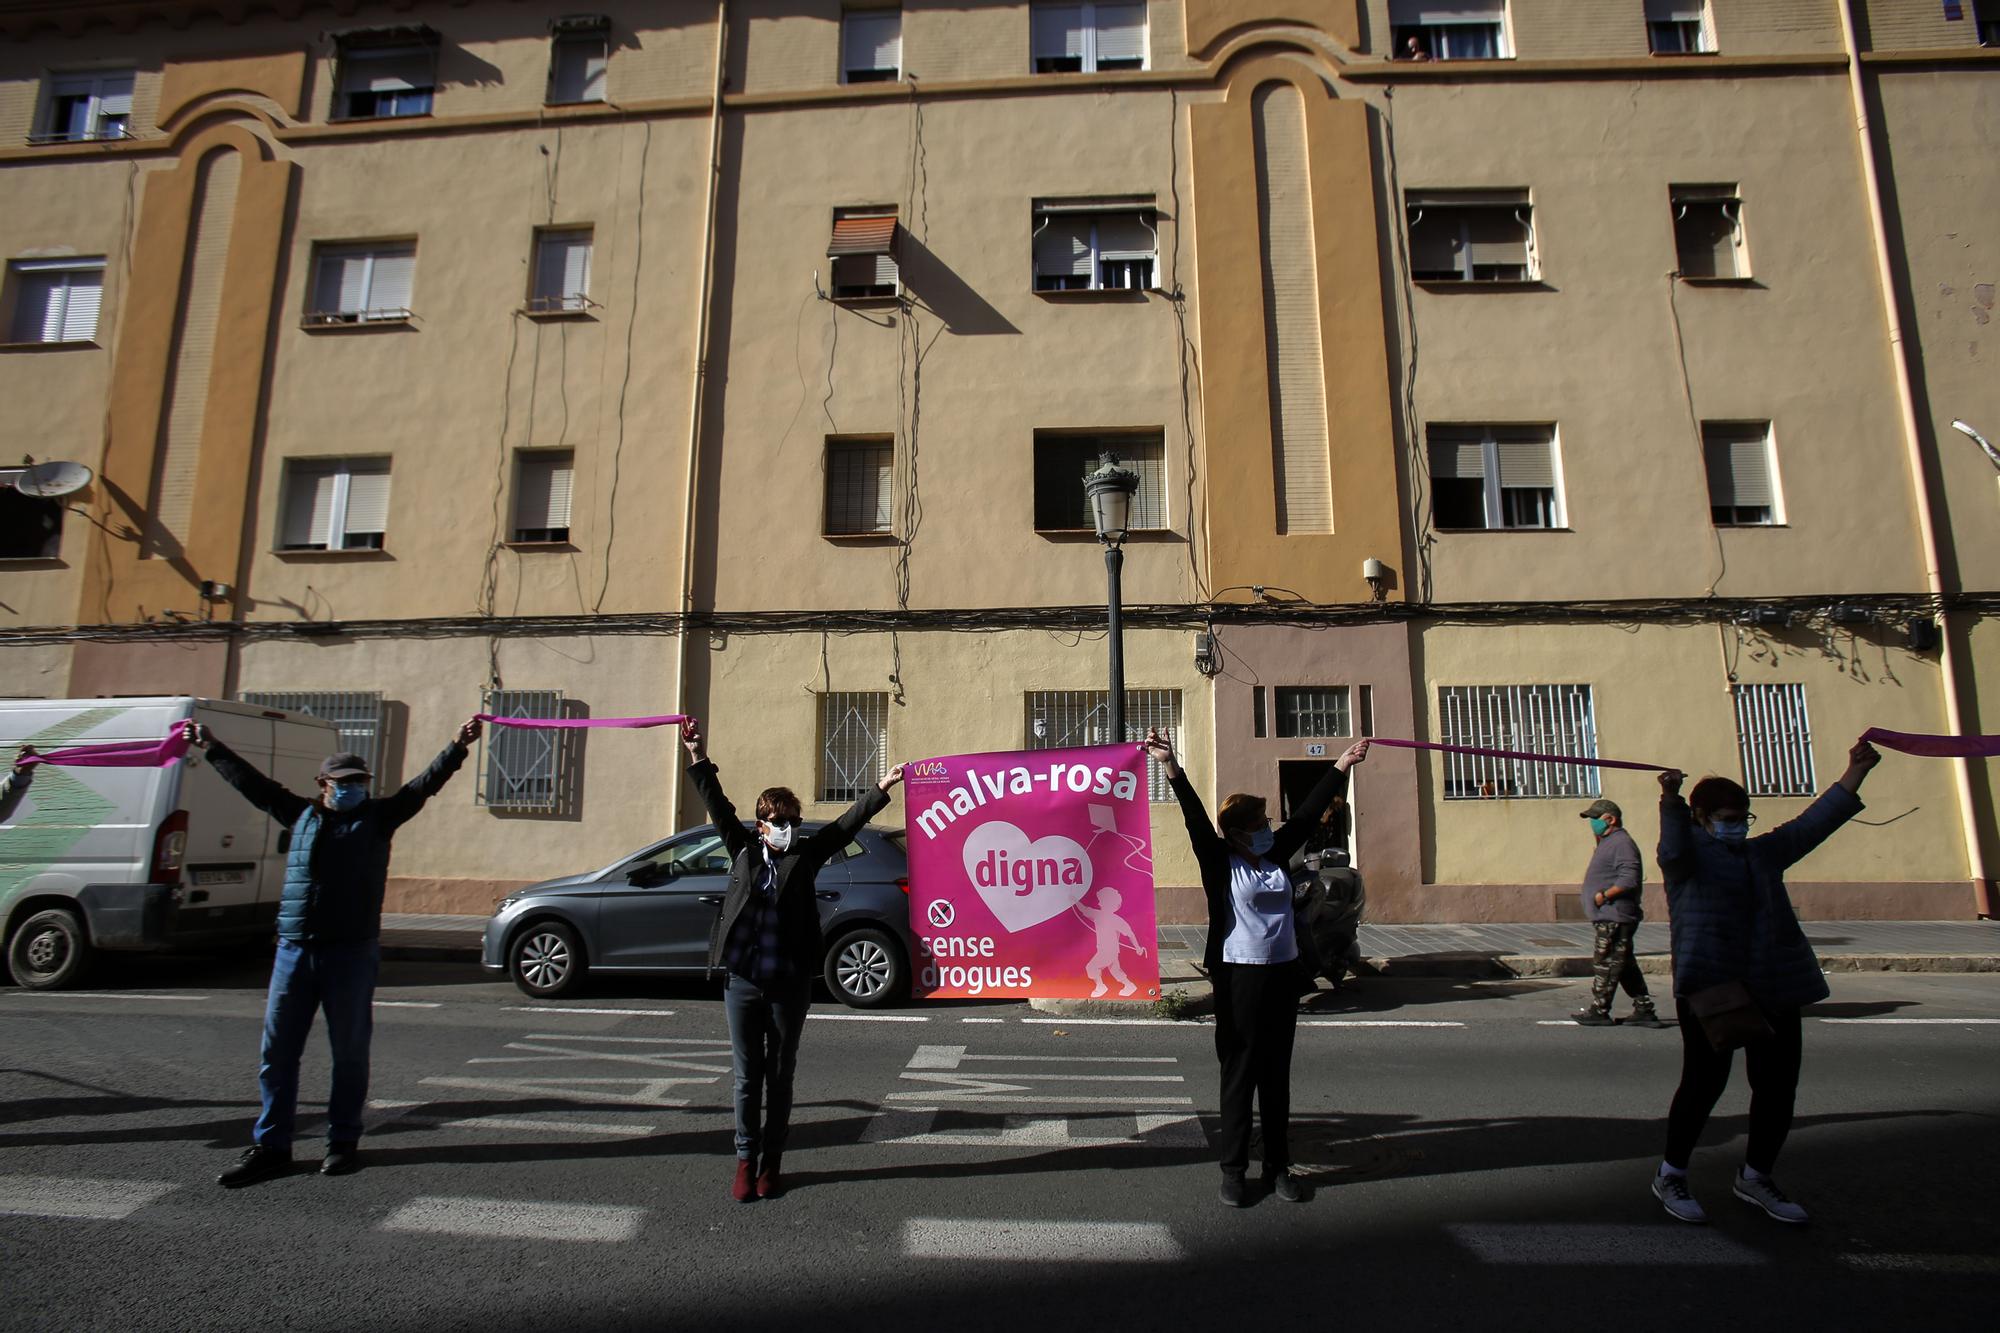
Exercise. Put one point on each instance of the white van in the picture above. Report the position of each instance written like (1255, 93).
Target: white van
(142, 858)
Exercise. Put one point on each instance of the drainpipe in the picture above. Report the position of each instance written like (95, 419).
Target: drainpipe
(1982, 884)
(698, 388)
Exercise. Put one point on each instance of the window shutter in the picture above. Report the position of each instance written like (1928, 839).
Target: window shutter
(579, 64)
(367, 499)
(308, 506)
(1121, 33)
(1149, 509)
(576, 266)
(543, 499)
(1739, 469)
(1058, 31)
(562, 269)
(873, 40)
(1124, 236)
(1498, 235)
(114, 96)
(398, 71)
(395, 272)
(595, 67)
(86, 292)
(37, 307)
(1434, 240)
(1527, 463)
(1063, 248)
(1434, 11)
(1456, 458)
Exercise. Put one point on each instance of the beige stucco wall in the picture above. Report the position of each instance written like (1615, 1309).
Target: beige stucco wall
(34, 672)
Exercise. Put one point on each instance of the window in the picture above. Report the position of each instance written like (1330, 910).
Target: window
(526, 768)
(1775, 740)
(1312, 711)
(30, 526)
(54, 300)
(1742, 483)
(1444, 30)
(1095, 244)
(335, 504)
(1679, 27)
(1472, 236)
(1066, 719)
(1537, 719)
(579, 55)
(1071, 39)
(96, 105)
(1987, 14)
(386, 73)
(863, 251)
(1062, 461)
(541, 494)
(1494, 477)
(357, 713)
(1258, 726)
(858, 486)
(362, 284)
(853, 744)
(562, 270)
(1708, 231)
(871, 46)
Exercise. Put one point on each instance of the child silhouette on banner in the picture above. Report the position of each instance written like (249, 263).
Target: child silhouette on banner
(1111, 930)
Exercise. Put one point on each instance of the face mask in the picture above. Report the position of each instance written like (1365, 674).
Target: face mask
(347, 795)
(1729, 830)
(1261, 842)
(778, 836)
(1600, 827)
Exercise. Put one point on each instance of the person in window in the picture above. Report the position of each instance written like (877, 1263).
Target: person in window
(329, 938)
(1741, 958)
(1252, 958)
(1414, 48)
(767, 939)
(1613, 883)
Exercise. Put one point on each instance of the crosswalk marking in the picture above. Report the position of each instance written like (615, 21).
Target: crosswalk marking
(1919, 1022)
(1378, 1023)
(1040, 1242)
(1923, 1263)
(917, 1127)
(24, 994)
(1587, 1244)
(75, 1197)
(565, 1009)
(514, 1219)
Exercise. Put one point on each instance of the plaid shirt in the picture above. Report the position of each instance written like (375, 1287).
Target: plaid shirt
(755, 951)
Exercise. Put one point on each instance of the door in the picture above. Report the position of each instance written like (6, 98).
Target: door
(223, 871)
(1296, 779)
(658, 909)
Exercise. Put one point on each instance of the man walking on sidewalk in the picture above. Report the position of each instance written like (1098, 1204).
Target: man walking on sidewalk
(1611, 888)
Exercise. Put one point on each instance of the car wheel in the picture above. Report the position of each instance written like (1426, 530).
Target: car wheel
(546, 960)
(865, 969)
(49, 951)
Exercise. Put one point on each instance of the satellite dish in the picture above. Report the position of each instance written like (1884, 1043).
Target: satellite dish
(50, 480)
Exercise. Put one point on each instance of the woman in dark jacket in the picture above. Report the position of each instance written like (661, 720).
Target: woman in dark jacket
(1252, 959)
(1737, 942)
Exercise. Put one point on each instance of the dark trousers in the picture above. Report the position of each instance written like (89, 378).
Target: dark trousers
(764, 1043)
(1256, 1018)
(1612, 965)
(1773, 1063)
(306, 978)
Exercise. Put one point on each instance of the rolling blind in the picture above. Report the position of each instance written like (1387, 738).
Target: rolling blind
(1121, 33)
(873, 40)
(395, 275)
(367, 499)
(1739, 468)
(562, 268)
(308, 506)
(1124, 236)
(1457, 457)
(543, 499)
(1527, 463)
(392, 70)
(1063, 247)
(1058, 31)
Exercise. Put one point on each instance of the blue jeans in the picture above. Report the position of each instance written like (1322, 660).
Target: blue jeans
(764, 1043)
(305, 978)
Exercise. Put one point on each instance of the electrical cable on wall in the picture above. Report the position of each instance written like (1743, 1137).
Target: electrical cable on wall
(1187, 353)
(625, 381)
(1421, 489)
(1694, 422)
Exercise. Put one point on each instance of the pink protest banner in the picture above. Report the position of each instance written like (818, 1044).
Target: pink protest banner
(664, 720)
(1031, 875)
(1935, 747)
(116, 754)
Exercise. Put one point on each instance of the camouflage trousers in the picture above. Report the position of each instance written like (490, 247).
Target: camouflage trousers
(1612, 965)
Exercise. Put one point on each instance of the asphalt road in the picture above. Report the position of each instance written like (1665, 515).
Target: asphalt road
(1475, 1158)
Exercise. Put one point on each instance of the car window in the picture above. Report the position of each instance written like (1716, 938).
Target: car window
(697, 856)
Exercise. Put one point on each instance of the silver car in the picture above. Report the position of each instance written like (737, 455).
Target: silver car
(652, 914)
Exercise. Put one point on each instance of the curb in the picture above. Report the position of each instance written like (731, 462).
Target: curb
(431, 953)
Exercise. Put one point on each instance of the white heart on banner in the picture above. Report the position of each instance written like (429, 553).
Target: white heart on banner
(1025, 882)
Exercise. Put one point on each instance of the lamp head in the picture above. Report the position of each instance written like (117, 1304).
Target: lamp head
(1110, 490)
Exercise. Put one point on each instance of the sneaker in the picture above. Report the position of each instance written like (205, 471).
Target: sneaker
(257, 1163)
(1592, 1018)
(744, 1189)
(1645, 1016)
(770, 1181)
(1672, 1192)
(1231, 1192)
(342, 1159)
(1766, 1195)
(1288, 1187)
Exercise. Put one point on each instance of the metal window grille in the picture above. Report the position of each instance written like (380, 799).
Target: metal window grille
(1063, 461)
(1775, 739)
(853, 743)
(357, 713)
(1312, 711)
(1064, 719)
(524, 769)
(1543, 719)
(859, 487)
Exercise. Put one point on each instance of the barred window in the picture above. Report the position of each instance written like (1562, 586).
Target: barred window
(1065, 719)
(853, 744)
(525, 768)
(1063, 461)
(858, 486)
(1542, 719)
(357, 713)
(1775, 739)
(1312, 710)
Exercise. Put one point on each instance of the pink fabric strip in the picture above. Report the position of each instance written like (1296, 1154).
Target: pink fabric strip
(1935, 747)
(665, 720)
(119, 754)
(1518, 754)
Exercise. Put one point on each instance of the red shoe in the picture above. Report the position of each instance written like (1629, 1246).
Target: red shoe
(769, 1182)
(742, 1191)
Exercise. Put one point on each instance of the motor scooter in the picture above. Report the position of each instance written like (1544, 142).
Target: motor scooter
(1330, 899)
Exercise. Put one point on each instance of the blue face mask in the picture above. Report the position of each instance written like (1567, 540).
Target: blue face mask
(1261, 842)
(1600, 827)
(1729, 830)
(347, 795)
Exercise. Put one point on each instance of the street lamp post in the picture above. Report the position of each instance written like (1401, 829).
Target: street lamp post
(1110, 490)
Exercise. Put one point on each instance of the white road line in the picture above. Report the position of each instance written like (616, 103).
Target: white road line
(872, 1018)
(548, 1126)
(1114, 1022)
(1040, 1242)
(951, 1057)
(1378, 1023)
(1601, 1244)
(982, 1020)
(96, 995)
(1923, 1263)
(407, 1004)
(646, 1041)
(1048, 1099)
(643, 1091)
(551, 1009)
(64, 1196)
(1918, 1022)
(504, 1219)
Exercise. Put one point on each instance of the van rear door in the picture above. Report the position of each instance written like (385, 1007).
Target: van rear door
(223, 877)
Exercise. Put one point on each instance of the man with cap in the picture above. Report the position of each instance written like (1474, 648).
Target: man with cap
(329, 938)
(1611, 887)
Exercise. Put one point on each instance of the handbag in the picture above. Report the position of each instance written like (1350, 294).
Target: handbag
(1728, 1015)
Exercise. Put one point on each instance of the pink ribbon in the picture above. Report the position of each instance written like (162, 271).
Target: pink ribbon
(1935, 747)
(118, 754)
(1518, 754)
(665, 720)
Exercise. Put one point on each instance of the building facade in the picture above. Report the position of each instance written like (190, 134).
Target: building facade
(1562, 376)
